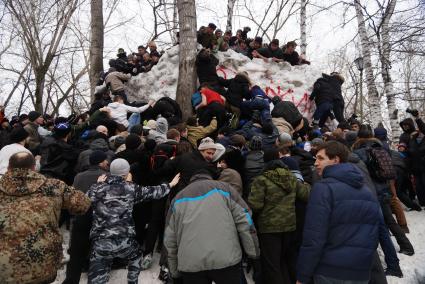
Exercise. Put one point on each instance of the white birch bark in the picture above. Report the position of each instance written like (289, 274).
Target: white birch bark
(372, 91)
(385, 52)
(230, 6)
(303, 26)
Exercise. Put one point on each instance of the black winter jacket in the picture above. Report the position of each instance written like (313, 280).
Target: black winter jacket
(287, 110)
(206, 69)
(327, 89)
(237, 90)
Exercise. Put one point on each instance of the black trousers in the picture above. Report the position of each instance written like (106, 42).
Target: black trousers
(207, 113)
(278, 257)
(377, 274)
(141, 217)
(228, 275)
(79, 248)
(156, 225)
(395, 228)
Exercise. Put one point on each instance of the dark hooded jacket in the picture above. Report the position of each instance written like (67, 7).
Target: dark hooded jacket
(327, 89)
(287, 110)
(338, 243)
(407, 130)
(237, 90)
(206, 69)
(58, 159)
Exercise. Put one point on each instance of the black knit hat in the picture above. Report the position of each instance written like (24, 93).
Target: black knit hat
(256, 143)
(132, 141)
(18, 134)
(33, 115)
(96, 157)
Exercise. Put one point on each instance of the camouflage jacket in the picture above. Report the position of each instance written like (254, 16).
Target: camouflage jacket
(30, 241)
(272, 198)
(112, 203)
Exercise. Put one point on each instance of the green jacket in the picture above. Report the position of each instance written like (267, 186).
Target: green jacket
(272, 198)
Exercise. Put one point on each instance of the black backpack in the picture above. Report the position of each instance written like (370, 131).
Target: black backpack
(379, 164)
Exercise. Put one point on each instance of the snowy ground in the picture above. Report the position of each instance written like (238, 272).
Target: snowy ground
(413, 266)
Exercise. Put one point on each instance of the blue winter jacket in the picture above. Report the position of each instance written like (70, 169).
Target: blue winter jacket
(341, 228)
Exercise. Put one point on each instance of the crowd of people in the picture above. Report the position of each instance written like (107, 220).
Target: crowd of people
(246, 183)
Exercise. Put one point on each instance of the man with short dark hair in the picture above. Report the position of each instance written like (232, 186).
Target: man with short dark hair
(35, 120)
(30, 204)
(208, 38)
(338, 246)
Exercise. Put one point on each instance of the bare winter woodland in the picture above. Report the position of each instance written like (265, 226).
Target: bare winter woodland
(52, 50)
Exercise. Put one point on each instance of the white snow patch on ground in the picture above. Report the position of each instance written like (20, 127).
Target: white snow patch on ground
(413, 266)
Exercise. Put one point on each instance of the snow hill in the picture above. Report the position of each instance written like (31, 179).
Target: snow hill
(293, 83)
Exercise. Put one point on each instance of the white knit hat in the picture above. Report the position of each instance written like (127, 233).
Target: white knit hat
(119, 167)
(207, 143)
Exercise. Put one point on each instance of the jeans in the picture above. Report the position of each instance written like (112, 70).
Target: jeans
(322, 112)
(387, 246)
(320, 279)
(395, 229)
(133, 120)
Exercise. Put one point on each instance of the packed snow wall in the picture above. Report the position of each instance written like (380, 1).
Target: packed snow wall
(291, 83)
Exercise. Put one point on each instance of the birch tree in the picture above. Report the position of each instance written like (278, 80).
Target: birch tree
(230, 7)
(373, 95)
(96, 43)
(384, 48)
(186, 84)
(303, 26)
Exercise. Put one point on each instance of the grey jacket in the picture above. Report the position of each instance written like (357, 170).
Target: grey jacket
(205, 222)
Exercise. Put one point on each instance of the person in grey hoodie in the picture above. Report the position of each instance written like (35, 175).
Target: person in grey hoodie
(206, 225)
(160, 133)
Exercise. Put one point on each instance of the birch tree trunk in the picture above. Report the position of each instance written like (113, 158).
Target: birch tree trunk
(303, 26)
(96, 43)
(385, 51)
(186, 84)
(373, 95)
(230, 6)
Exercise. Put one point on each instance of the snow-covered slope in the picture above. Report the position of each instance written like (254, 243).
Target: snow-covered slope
(292, 83)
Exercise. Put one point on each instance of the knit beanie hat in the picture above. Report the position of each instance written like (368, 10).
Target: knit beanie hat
(380, 133)
(33, 115)
(220, 150)
(256, 143)
(207, 143)
(132, 142)
(119, 167)
(18, 134)
(96, 157)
